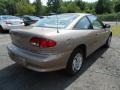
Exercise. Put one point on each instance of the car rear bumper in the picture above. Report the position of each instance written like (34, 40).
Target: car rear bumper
(38, 62)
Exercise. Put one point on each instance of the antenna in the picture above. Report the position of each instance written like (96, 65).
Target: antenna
(57, 23)
(57, 20)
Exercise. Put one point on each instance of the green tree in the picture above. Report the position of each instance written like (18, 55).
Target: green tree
(90, 7)
(38, 7)
(103, 6)
(44, 10)
(54, 5)
(69, 7)
(24, 8)
(3, 9)
(117, 6)
(80, 4)
(26, 1)
(72, 7)
(63, 8)
(10, 6)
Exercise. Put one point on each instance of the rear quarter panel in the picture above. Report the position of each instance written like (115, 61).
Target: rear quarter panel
(68, 40)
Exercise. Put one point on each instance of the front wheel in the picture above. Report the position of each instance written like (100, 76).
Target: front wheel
(75, 62)
(107, 44)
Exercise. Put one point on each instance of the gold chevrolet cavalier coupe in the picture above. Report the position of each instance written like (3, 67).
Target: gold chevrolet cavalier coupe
(58, 42)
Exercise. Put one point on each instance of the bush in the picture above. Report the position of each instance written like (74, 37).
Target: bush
(110, 17)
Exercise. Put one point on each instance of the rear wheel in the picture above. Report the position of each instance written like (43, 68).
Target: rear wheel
(75, 62)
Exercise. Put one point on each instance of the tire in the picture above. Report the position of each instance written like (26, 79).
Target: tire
(75, 62)
(26, 24)
(107, 44)
(1, 29)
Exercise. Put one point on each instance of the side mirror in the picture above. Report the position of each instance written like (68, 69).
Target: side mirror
(107, 26)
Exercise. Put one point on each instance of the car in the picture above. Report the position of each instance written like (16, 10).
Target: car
(8, 22)
(59, 42)
(28, 20)
(41, 17)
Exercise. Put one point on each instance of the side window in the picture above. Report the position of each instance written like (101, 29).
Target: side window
(95, 22)
(83, 24)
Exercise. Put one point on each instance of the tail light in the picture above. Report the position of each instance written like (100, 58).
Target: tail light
(42, 43)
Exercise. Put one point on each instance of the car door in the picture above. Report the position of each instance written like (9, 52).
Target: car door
(89, 38)
(98, 27)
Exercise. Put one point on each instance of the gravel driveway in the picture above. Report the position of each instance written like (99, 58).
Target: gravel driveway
(101, 71)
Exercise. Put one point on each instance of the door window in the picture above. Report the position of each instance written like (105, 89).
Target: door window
(97, 24)
(83, 24)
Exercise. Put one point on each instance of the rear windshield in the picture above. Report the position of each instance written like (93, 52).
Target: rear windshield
(52, 22)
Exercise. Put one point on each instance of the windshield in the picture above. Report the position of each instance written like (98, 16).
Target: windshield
(34, 17)
(52, 22)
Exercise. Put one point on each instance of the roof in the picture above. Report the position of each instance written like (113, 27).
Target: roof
(82, 14)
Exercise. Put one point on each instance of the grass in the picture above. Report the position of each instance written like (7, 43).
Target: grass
(116, 30)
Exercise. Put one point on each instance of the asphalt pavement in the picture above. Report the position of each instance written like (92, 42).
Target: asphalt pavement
(101, 71)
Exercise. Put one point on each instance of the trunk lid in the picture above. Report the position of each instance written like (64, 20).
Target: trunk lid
(14, 21)
(21, 37)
